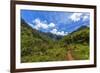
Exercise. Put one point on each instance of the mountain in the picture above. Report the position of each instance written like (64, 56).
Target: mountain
(79, 36)
(52, 36)
(45, 34)
(37, 46)
(32, 40)
(80, 28)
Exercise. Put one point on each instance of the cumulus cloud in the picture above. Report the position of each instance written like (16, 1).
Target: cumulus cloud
(51, 25)
(86, 17)
(75, 17)
(42, 24)
(39, 24)
(55, 31)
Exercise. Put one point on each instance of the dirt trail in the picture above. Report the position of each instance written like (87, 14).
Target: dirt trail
(69, 55)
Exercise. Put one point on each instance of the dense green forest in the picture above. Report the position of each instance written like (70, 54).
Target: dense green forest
(37, 46)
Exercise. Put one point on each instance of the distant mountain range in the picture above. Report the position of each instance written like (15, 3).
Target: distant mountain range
(50, 35)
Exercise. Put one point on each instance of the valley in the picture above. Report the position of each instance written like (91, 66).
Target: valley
(37, 46)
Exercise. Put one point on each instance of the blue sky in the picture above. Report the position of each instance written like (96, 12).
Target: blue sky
(56, 22)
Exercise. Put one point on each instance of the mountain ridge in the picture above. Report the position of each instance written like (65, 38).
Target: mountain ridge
(51, 35)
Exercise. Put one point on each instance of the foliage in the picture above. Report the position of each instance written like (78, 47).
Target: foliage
(37, 46)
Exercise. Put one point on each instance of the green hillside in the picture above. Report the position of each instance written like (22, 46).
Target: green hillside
(78, 43)
(37, 46)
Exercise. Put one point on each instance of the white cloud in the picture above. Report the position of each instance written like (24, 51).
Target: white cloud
(55, 31)
(42, 24)
(75, 17)
(61, 33)
(51, 25)
(39, 24)
(86, 17)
